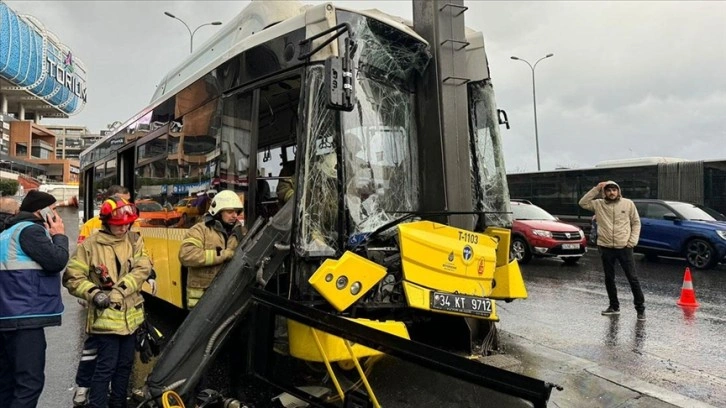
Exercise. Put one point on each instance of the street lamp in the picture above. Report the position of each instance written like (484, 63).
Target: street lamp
(191, 33)
(534, 100)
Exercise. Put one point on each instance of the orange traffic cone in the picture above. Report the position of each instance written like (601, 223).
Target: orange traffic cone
(688, 296)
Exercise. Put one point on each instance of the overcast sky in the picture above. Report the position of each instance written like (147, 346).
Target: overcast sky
(628, 79)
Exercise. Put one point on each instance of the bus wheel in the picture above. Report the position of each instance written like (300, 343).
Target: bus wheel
(700, 254)
(520, 251)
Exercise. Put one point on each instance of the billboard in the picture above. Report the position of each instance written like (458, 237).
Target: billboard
(33, 59)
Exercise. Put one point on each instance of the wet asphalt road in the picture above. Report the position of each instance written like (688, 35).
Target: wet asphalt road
(681, 351)
(677, 351)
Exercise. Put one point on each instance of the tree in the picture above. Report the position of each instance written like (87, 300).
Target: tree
(8, 187)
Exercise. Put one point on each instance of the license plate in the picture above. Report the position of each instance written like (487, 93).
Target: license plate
(570, 246)
(461, 303)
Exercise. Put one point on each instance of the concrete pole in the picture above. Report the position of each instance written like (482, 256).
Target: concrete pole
(21, 112)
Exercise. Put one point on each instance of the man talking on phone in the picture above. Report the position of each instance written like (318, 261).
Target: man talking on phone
(33, 253)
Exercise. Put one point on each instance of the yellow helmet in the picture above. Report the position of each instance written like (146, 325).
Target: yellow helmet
(226, 200)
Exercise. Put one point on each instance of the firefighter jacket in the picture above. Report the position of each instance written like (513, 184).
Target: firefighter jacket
(202, 252)
(118, 266)
(30, 265)
(618, 222)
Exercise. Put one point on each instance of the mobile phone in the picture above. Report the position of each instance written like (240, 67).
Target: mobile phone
(47, 213)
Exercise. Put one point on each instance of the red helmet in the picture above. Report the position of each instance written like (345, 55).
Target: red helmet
(117, 211)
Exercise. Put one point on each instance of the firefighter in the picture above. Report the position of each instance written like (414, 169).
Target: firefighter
(87, 365)
(107, 271)
(210, 243)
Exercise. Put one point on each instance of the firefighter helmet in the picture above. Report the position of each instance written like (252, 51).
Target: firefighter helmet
(225, 200)
(118, 211)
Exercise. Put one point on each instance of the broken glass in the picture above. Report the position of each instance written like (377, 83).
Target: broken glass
(489, 177)
(379, 135)
(379, 179)
(318, 205)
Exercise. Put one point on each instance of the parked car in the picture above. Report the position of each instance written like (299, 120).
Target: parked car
(189, 212)
(675, 228)
(535, 232)
(153, 214)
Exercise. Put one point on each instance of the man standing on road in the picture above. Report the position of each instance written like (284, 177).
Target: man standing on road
(33, 253)
(618, 231)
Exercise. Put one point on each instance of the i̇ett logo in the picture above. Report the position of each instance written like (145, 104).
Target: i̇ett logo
(468, 253)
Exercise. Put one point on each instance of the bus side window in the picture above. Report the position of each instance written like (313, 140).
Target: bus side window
(235, 147)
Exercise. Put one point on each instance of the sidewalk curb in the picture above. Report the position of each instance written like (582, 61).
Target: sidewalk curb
(594, 369)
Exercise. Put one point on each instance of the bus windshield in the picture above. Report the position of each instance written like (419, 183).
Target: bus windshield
(377, 141)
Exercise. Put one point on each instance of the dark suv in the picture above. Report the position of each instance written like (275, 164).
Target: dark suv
(674, 228)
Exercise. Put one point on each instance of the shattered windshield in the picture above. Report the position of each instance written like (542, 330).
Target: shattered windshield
(489, 177)
(376, 142)
(379, 135)
(379, 145)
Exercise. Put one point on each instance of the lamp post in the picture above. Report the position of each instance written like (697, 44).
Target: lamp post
(191, 33)
(534, 101)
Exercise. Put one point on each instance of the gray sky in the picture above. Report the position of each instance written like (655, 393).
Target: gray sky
(628, 79)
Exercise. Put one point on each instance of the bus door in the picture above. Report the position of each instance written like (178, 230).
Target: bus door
(259, 134)
(278, 107)
(126, 160)
(154, 178)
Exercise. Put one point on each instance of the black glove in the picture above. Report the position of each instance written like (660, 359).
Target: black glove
(149, 341)
(143, 346)
(101, 300)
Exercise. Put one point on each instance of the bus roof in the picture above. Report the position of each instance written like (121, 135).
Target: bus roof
(257, 23)
(638, 161)
(612, 164)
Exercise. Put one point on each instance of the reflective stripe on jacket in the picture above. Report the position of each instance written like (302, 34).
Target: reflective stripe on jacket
(128, 267)
(29, 296)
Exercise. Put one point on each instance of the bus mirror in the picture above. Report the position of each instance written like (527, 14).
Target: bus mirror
(339, 89)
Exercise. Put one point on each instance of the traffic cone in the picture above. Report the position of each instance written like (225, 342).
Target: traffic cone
(688, 296)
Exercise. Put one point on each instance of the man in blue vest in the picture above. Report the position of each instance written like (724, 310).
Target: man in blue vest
(33, 253)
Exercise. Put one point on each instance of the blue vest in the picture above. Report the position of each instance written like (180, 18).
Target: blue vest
(29, 296)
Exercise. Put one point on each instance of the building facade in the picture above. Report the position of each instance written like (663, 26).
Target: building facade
(39, 78)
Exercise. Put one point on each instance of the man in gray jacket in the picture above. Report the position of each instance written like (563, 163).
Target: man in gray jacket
(618, 230)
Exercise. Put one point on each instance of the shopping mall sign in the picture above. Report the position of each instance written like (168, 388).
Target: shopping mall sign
(63, 72)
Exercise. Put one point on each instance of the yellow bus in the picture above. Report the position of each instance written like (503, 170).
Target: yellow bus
(287, 92)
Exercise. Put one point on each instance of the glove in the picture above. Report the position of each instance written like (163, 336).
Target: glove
(101, 300)
(142, 344)
(152, 283)
(227, 254)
